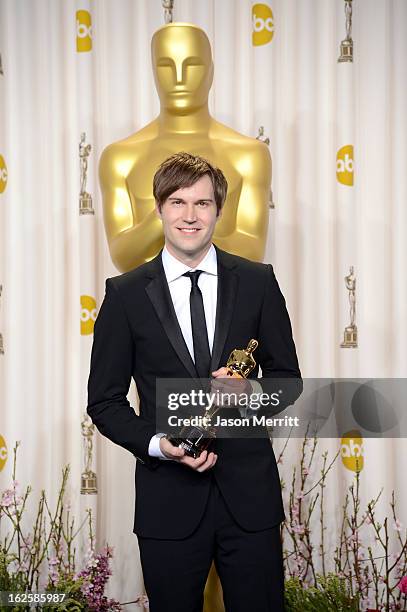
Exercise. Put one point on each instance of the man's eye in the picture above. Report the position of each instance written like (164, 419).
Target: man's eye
(177, 203)
(203, 204)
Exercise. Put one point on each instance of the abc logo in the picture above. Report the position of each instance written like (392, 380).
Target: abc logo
(3, 452)
(3, 174)
(352, 451)
(263, 26)
(88, 314)
(83, 31)
(344, 165)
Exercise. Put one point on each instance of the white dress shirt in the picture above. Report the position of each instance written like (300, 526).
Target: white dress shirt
(180, 289)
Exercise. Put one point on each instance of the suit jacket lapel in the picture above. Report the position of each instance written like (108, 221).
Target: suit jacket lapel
(227, 288)
(159, 294)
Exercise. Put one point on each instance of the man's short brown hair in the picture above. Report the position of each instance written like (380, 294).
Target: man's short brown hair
(183, 170)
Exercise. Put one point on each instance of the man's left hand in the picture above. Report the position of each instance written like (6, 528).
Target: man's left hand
(225, 383)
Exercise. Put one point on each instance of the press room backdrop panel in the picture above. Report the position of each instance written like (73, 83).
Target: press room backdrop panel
(54, 261)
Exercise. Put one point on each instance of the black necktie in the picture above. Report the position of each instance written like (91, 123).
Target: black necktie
(199, 331)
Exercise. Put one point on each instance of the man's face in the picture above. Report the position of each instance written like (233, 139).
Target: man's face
(189, 216)
(183, 68)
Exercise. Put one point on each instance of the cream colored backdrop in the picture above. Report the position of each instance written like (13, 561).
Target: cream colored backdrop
(310, 107)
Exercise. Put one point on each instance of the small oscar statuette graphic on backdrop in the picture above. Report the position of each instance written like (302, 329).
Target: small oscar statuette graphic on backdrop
(195, 439)
(85, 199)
(168, 6)
(346, 49)
(263, 138)
(350, 335)
(1, 335)
(88, 479)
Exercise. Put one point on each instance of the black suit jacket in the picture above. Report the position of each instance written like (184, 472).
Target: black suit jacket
(137, 335)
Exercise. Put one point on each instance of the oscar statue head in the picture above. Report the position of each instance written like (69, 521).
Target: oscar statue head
(183, 67)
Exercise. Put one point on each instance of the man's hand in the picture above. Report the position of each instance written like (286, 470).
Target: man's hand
(202, 463)
(223, 383)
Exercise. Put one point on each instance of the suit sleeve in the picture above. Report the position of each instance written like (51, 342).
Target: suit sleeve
(277, 355)
(111, 370)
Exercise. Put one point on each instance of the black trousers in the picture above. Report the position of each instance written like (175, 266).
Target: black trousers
(249, 565)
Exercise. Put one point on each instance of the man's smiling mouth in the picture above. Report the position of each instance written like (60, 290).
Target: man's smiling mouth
(189, 230)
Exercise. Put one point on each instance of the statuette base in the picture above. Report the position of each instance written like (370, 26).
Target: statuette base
(88, 484)
(194, 440)
(350, 337)
(346, 51)
(85, 205)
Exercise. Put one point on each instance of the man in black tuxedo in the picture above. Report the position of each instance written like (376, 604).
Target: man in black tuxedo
(226, 504)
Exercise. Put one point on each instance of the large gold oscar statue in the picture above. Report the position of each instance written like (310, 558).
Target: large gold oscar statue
(183, 71)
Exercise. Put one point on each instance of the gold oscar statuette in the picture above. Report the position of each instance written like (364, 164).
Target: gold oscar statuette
(195, 439)
(85, 199)
(88, 478)
(183, 72)
(350, 335)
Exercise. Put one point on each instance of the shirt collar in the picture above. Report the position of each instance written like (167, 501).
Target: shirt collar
(174, 268)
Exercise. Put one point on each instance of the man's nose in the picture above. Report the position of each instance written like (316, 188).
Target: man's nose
(190, 213)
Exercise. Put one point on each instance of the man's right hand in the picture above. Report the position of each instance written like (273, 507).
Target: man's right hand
(204, 462)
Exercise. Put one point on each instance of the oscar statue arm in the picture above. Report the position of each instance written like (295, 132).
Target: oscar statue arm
(249, 234)
(132, 240)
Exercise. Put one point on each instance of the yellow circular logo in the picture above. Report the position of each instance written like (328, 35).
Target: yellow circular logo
(263, 24)
(3, 174)
(352, 451)
(83, 31)
(3, 452)
(344, 165)
(88, 314)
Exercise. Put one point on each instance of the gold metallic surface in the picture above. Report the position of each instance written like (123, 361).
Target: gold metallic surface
(213, 594)
(183, 71)
(241, 361)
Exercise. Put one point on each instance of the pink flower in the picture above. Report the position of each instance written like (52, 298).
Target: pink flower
(142, 600)
(9, 498)
(397, 525)
(6, 498)
(300, 529)
(403, 585)
(53, 561)
(108, 551)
